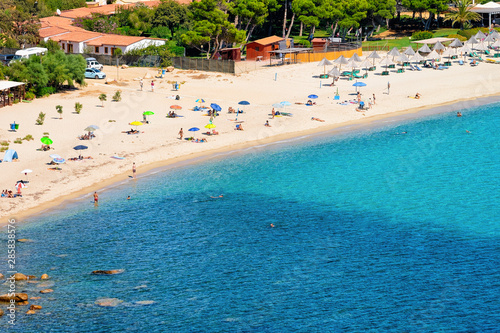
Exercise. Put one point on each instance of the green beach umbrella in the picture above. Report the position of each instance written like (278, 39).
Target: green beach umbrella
(46, 140)
(148, 113)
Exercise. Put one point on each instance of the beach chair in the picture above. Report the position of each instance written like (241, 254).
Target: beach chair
(461, 62)
(385, 73)
(487, 52)
(418, 68)
(371, 69)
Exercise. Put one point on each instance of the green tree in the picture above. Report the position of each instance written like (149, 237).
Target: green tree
(461, 13)
(211, 27)
(29, 71)
(250, 13)
(433, 7)
(18, 25)
(170, 14)
(379, 10)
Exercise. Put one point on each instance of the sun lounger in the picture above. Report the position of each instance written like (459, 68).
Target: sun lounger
(461, 62)
(385, 73)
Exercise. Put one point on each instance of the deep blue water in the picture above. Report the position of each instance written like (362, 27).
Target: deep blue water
(375, 231)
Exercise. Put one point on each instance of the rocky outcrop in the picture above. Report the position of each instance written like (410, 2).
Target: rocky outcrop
(35, 307)
(1, 312)
(109, 272)
(44, 277)
(30, 312)
(20, 277)
(108, 302)
(17, 297)
(1, 276)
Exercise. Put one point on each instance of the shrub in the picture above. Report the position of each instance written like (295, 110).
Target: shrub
(419, 35)
(78, 107)
(117, 96)
(4, 143)
(18, 140)
(28, 137)
(102, 98)
(29, 96)
(460, 37)
(304, 42)
(46, 134)
(59, 109)
(45, 91)
(40, 119)
(471, 32)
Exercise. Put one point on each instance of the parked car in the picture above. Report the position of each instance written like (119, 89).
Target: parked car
(7, 58)
(93, 63)
(91, 73)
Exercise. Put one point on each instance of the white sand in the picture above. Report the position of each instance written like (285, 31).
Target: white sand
(159, 144)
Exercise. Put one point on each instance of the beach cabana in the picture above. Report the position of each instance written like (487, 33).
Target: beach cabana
(488, 8)
(10, 154)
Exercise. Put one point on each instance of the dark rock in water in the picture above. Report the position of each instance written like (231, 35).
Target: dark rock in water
(30, 312)
(108, 302)
(110, 272)
(18, 297)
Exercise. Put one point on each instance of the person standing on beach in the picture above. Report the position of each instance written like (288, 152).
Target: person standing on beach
(181, 133)
(152, 86)
(388, 87)
(141, 83)
(96, 199)
(134, 170)
(373, 99)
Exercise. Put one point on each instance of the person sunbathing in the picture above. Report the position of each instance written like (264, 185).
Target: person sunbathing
(267, 124)
(309, 102)
(214, 132)
(239, 127)
(417, 96)
(317, 119)
(230, 110)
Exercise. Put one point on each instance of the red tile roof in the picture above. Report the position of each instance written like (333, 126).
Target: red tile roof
(268, 40)
(51, 31)
(76, 36)
(119, 40)
(56, 21)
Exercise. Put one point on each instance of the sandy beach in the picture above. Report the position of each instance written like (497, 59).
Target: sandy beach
(158, 142)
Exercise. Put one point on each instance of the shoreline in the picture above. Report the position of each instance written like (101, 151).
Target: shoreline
(28, 215)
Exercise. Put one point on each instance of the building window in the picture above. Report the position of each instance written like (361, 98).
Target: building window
(105, 50)
(70, 48)
(96, 49)
(257, 49)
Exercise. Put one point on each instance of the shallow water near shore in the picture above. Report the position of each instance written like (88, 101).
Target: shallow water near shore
(387, 229)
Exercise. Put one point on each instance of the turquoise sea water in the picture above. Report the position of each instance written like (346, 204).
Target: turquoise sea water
(375, 231)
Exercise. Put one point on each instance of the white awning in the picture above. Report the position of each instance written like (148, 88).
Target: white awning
(433, 40)
(9, 84)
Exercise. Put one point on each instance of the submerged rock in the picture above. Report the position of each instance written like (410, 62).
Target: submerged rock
(108, 302)
(25, 240)
(1, 312)
(17, 297)
(145, 302)
(109, 272)
(30, 312)
(44, 277)
(46, 291)
(1, 276)
(35, 307)
(20, 277)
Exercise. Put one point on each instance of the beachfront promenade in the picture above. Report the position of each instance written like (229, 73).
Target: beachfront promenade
(158, 142)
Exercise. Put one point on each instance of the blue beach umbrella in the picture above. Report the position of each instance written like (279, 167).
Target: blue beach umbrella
(286, 103)
(193, 129)
(244, 103)
(216, 107)
(80, 147)
(359, 84)
(312, 96)
(277, 105)
(59, 160)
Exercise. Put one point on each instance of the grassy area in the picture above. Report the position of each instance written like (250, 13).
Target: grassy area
(390, 43)
(444, 32)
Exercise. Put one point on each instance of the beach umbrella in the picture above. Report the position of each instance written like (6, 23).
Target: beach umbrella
(19, 185)
(334, 72)
(244, 103)
(80, 147)
(216, 107)
(496, 44)
(312, 96)
(148, 113)
(409, 51)
(176, 107)
(394, 53)
(438, 47)
(324, 62)
(465, 49)
(355, 57)
(490, 38)
(434, 55)
(472, 41)
(365, 64)
(26, 171)
(417, 57)
(285, 103)
(374, 55)
(481, 47)
(278, 105)
(200, 100)
(341, 61)
(54, 156)
(480, 35)
(89, 129)
(46, 140)
(386, 61)
(456, 43)
(359, 84)
(193, 129)
(136, 123)
(495, 34)
(424, 49)
(59, 160)
(402, 59)
(210, 126)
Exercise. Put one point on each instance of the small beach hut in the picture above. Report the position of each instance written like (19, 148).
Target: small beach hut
(260, 49)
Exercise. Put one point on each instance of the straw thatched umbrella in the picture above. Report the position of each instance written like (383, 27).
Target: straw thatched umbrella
(334, 72)
(495, 34)
(341, 61)
(356, 57)
(324, 62)
(449, 52)
(490, 38)
(374, 55)
(394, 53)
(481, 47)
(496, 45)
(386, 61)
(365, 64)
(409, 51)
(434, 55)
(480, 35)
(424, 49)
(402, 59)
(456, 43)
(472, 41)
(417, 57)
(438, 47)
(465, 49)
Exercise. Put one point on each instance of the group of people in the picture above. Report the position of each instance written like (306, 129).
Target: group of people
(141, 83)
(45, 147)
(79, 158)
(87, 136)
(7, 194)
(171, 114)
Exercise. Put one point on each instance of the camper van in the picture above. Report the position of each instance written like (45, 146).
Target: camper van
(26, 53)
(94, 64)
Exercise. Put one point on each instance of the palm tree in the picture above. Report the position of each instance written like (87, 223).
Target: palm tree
(462, 13)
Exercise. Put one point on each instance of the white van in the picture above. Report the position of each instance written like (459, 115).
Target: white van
(94, 64)
(26, 53)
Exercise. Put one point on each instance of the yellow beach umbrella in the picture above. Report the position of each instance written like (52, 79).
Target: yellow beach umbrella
(210, 126)
(136, 123)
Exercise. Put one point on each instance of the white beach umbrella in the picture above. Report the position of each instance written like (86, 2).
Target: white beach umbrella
(402, 58)
(334, 72)
(386, 62)
(472, 41)
(355, 57)
(394, 52)
(365, 64)
(490, 38)
(417, 57)
(374, 55)
(496, 43)
(495, 34)
(481, 47)
(465, 49)
(324, 62)
(449, 52)
(409, 51)
(424, 49)
(341, 61)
